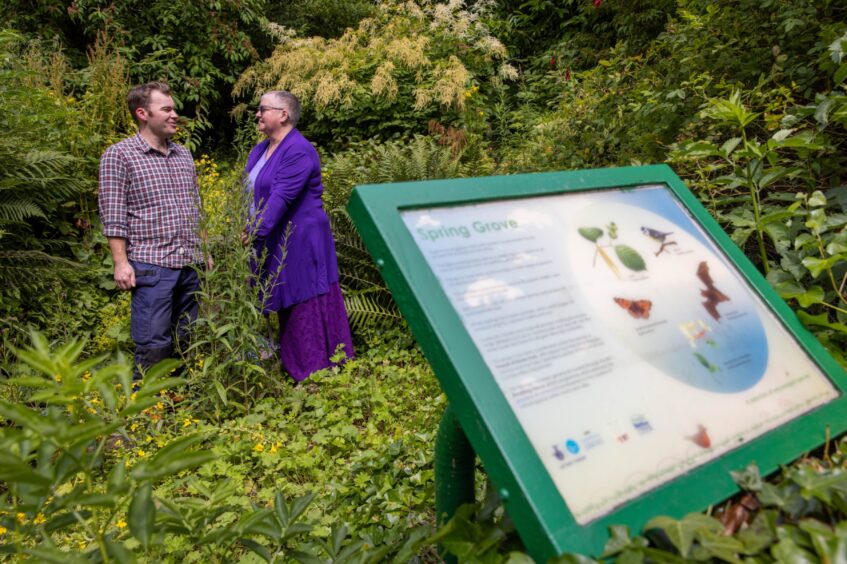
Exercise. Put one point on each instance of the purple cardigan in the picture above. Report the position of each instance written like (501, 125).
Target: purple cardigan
(288, 190)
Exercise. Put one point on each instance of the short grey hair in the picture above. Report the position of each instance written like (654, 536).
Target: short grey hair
(292, 104)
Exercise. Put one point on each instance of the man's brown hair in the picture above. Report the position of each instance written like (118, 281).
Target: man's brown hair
(139, 97)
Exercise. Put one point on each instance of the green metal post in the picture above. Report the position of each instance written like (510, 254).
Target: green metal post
(455, 461)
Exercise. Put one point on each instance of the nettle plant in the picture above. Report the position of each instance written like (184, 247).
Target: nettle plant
(779, 197)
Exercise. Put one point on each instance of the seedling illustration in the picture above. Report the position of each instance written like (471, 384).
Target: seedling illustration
(627, 256)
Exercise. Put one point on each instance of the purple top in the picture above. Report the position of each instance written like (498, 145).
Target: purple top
(288, 190)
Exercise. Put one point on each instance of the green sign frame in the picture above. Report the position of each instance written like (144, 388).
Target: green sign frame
(541, 516)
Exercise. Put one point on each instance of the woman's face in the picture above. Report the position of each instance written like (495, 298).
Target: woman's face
(271, 119)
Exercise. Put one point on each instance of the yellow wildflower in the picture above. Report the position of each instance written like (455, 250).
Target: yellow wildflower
(21, 517)
(121, 524)
(3, 530)
(58, 378)
(275, 447)
(39, 519)
(160, 405)
(86, 375)
(133, 427)
(259, 447)
(141, 453)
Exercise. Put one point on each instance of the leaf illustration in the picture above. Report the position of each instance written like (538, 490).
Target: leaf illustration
(591, 233)
(630, 258)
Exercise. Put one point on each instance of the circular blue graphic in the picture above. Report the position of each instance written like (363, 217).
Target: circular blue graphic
(572, 446)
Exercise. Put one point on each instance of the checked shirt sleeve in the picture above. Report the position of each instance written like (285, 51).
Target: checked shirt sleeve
(114, 183)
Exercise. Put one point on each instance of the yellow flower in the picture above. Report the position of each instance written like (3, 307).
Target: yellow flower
(133, 427)
(82, 545)
(121, 524)
(21, 517)
(275, 447)
(259, 447)
(58, 378)
(39, 519)
(160, 405)
(86, 375)
(3, 530)
(141, 453)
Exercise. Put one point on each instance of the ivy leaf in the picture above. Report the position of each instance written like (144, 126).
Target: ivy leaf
(787, 550)
(760, 533)
(618, 540)
(816, 265)
(630, 258)
(805, 297)
(591, 233)
(682, 532)
(830, 545)
(715, 544)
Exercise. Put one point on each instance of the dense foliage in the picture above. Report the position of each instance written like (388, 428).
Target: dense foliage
(224, 459)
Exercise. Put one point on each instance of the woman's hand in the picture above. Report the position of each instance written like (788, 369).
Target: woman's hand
(245, 238)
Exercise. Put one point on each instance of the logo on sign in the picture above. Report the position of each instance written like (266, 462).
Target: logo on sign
(572, 446)
(591, 440)
(557, 452)
(641, 424)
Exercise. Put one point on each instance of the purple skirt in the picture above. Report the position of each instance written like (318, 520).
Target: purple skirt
(309, 333)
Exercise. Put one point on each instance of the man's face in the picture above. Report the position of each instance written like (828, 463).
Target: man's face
(160, 115)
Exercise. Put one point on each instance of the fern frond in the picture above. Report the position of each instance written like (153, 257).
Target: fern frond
(364, 309)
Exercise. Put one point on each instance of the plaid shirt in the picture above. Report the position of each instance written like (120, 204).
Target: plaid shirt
(152, 201)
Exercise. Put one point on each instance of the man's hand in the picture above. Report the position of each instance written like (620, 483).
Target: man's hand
(124, 276)
(210, 263)
(245, 238)
(124, 273)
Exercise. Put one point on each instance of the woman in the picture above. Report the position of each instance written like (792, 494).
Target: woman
(291, 226)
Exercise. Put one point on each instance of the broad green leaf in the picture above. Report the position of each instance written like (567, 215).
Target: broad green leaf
(718, 545)
(619, 539)
(786, 550)
(817, 199)
(591, 233)
(840, 75)
(816, 265)
(172, 465)
(142, 514)
(630, 258)
(256, 548)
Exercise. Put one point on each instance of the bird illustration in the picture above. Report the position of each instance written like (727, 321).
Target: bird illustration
(660, 237)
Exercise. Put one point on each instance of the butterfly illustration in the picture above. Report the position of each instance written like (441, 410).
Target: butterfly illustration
(639, 309)
(660, 237)
(713, 295)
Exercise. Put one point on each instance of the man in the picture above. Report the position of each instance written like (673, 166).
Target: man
(150, 209)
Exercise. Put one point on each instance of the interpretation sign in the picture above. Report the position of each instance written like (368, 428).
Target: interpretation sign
(619, 335)
(620, 346)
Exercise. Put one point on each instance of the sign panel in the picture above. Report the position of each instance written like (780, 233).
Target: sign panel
(628, 349)
(608, 350)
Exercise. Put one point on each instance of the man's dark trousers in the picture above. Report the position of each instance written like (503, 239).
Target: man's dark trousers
(163, 305)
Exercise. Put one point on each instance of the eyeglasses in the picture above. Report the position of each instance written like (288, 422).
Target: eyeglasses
(263, 109)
